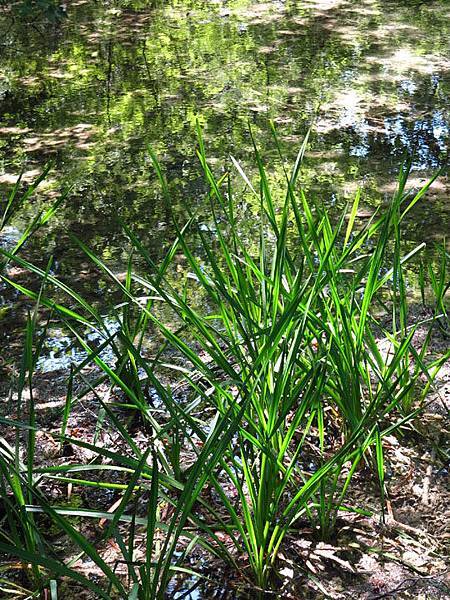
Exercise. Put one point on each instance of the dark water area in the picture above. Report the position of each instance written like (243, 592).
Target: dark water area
(91, 91)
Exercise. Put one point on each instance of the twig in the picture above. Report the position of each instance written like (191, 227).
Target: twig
(413, 582)
(426, 480)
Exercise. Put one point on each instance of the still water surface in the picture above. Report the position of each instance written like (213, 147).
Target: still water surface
(93, 90)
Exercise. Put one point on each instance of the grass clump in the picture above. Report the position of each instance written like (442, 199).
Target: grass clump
(290, 390)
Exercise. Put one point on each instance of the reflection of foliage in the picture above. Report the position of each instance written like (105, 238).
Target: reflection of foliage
(117, 76)
(51, 10)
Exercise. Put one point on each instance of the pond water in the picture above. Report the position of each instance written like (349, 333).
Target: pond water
(92, 90)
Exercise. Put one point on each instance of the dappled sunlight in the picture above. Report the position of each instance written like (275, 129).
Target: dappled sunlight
(80, 136)
(326, 5)
(254, 13)
(6, 131)
(441, 186)
(27, 177)
(406, 60)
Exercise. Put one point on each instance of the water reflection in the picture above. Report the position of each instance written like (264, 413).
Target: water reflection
(93, 90)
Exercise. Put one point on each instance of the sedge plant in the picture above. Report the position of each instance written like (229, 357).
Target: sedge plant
(290, 390)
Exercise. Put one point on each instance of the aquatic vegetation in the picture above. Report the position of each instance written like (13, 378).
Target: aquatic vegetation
(288, 389)
(14, 203)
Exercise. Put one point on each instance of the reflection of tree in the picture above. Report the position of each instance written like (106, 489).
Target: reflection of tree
(137, 75)
(108, 81)
(51, 10)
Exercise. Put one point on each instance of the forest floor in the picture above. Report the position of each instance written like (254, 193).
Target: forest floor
(406, 556)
